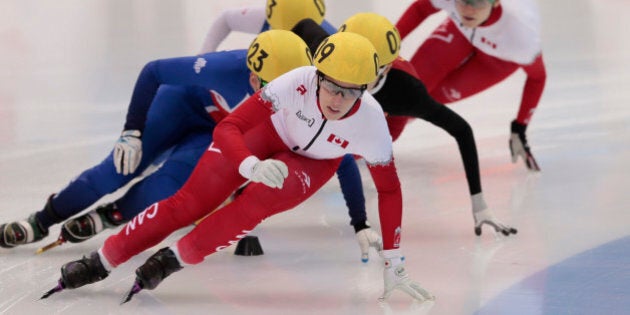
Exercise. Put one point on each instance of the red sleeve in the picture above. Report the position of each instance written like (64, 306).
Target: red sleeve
(534, 85)
(413, 16)
(228, 134)
(389, 202)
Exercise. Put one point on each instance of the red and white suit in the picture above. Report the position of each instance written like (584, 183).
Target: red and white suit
(282, 121)
(456, 62)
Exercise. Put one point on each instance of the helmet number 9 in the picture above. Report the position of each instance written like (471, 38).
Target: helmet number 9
(324, 50)
(255, 58)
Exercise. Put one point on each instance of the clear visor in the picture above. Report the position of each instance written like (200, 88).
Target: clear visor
(477, 4)
(334, 89)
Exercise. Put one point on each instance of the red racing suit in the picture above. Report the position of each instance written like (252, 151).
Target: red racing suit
(282, 121)
(456, 62)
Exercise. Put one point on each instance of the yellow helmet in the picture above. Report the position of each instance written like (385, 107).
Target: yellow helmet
(347, 57)
(275, 52)
(284, 14)
(379, 30)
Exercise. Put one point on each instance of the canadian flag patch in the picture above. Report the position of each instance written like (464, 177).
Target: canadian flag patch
(334, 139)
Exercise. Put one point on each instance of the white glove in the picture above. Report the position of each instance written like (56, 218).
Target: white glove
(486, 217)
(520, 147)
(396, 277)
(270, 172)
(368, 238)
(128, 152)
(482, 216)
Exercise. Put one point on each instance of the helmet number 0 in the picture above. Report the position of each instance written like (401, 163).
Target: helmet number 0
(392, 42)
(255, 58)
(376, 62)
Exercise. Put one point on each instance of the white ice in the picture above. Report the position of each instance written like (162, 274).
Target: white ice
(67, 71)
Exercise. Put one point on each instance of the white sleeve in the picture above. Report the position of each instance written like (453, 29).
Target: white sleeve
(248, 20)
(378, 146)
(379, 150)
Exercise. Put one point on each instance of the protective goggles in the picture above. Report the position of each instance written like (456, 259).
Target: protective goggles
(334, 89)
(477, 4)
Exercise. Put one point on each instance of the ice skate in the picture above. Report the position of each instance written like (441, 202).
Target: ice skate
(148, 276)
(84, 227)
(22, 232)
(80, 272)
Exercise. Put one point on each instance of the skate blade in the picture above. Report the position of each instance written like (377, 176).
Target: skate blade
(54, 290)
(133, 291)
(50, 246)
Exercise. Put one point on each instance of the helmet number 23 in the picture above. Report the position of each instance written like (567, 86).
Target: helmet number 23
(256, 56)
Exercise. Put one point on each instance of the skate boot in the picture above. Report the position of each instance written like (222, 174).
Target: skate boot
(84, 271)
(22, 232)
(159, 266)
(78, 273)
(88, 225)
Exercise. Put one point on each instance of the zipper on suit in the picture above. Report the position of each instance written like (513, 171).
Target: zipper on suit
(314, 137)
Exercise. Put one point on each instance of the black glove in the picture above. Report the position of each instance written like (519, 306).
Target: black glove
(519, 146)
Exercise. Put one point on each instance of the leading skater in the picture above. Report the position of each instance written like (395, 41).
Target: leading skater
(315, 115)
